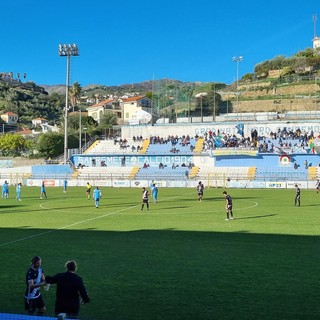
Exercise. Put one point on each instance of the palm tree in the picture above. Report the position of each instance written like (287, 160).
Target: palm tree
(74, 94)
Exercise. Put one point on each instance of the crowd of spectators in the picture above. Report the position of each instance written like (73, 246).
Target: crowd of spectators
(213, 141)
(174, 140)
(137, 138)
(284, 140)
(281, 140)
(124, 143)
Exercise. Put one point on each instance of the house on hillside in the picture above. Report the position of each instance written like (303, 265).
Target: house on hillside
(132, 106)
(48, 128)
(26, 133)
(38, 121)
(97, 111)
(133, 110)
(10, 117)
(6, 76)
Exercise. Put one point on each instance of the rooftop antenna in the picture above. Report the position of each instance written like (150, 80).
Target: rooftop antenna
(314, 18)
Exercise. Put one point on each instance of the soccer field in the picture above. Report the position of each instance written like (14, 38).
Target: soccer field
(180, 260)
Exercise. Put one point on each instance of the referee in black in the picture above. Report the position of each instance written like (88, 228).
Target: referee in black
(70, 288)
(297, 198)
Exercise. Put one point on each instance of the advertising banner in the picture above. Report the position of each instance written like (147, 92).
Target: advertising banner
(276, 185)
(312, 185)
(256, 185)
(176, 184)
(121, 183)
(237, 184)
(37, 183)
(301, 184)
(139, 183)
(103, 183)
(192, 183)
(160, 183)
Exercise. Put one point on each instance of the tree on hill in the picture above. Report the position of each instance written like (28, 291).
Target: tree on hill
(108, 121)
(209, 103)
(301, 62)
(12, 144)
(74, 94)
(50, 144)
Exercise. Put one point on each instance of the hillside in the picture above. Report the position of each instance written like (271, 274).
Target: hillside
(279, 85)
(140, 87)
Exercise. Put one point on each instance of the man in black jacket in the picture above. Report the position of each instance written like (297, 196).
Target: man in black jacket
(70, 288)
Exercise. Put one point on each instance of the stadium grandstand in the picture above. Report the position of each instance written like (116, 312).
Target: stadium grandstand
(179, 155)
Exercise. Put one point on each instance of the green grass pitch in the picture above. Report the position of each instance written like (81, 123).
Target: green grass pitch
(180, 260)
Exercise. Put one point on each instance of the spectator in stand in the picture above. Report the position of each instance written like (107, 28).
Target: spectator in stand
(161, 166)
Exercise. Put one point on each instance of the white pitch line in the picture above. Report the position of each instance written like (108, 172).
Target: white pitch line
(92, 219)
(65, 227)
(70, 225)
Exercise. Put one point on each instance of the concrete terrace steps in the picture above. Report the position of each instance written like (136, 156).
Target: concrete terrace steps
(89, 150)
(194, 172)
(198, 146)
(313, 173)
(145, 146)
(252, 173)
(134, 172)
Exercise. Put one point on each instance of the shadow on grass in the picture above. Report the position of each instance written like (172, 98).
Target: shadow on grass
(169, 274)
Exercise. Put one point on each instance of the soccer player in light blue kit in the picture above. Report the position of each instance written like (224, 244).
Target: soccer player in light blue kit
(151, 185)
(96, 196)
(5, 190)
(65, 185)
(43, 192)
(18, 191)
(155, 193)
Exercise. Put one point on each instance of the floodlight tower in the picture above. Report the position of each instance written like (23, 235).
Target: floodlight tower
(237, 60)
(67, 50)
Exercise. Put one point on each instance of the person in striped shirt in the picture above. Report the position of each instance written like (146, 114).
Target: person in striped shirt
(145, 198)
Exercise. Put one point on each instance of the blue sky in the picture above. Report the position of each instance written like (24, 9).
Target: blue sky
(123, 41)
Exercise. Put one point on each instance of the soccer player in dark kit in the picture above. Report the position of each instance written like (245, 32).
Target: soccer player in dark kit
(200, 188)
(34, 280)
(145, 198)
(228, 205)
(297, 197)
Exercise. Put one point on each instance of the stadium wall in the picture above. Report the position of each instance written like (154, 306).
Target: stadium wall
(261, 160)
(51, 169)
(173, 184)
(263, 128)
(129, 160)
(266, 160)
